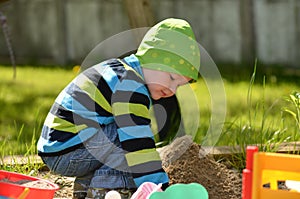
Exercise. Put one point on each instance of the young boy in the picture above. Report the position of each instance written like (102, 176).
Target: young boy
(98, 129)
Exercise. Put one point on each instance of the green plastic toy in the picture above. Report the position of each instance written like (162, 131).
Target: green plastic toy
(180, 191)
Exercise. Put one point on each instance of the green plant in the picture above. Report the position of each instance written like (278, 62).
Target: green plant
(293, 109)
(257, 129)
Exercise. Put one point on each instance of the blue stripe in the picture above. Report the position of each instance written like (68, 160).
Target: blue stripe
(156, 178)
(133, 132)
(108, 74)
(133, 61)
(133, 86)
(69, 103)
(47, 146)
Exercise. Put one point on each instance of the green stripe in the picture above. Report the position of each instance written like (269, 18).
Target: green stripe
(120, 108)
(62, 125)
(142, 156)
(91, 89)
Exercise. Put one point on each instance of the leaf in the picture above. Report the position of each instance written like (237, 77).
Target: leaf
(291, 112)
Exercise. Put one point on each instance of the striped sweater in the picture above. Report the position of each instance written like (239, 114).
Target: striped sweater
(111, 91)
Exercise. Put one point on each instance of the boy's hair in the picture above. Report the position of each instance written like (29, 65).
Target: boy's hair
(171, 46)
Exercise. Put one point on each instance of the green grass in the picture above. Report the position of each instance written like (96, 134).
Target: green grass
(258, 110)
(24, 104)
(262, 110)
(266, 105)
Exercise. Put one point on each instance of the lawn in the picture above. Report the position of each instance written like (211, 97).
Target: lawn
(254, 108)
(25, 102)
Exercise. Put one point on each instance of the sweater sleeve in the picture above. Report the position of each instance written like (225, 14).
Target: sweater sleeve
(130, 107)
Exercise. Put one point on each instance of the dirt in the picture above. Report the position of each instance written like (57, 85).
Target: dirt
(65, 184)
(185, 162)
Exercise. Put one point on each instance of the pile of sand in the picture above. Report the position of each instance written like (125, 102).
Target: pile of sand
(185, 162)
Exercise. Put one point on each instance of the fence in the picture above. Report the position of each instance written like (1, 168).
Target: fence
(232, 31)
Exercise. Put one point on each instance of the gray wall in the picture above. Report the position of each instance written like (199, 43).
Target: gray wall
(232, 31)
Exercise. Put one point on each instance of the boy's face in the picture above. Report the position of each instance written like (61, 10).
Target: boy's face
(163, 84)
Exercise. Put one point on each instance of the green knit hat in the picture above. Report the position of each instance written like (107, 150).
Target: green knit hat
(170, 46)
